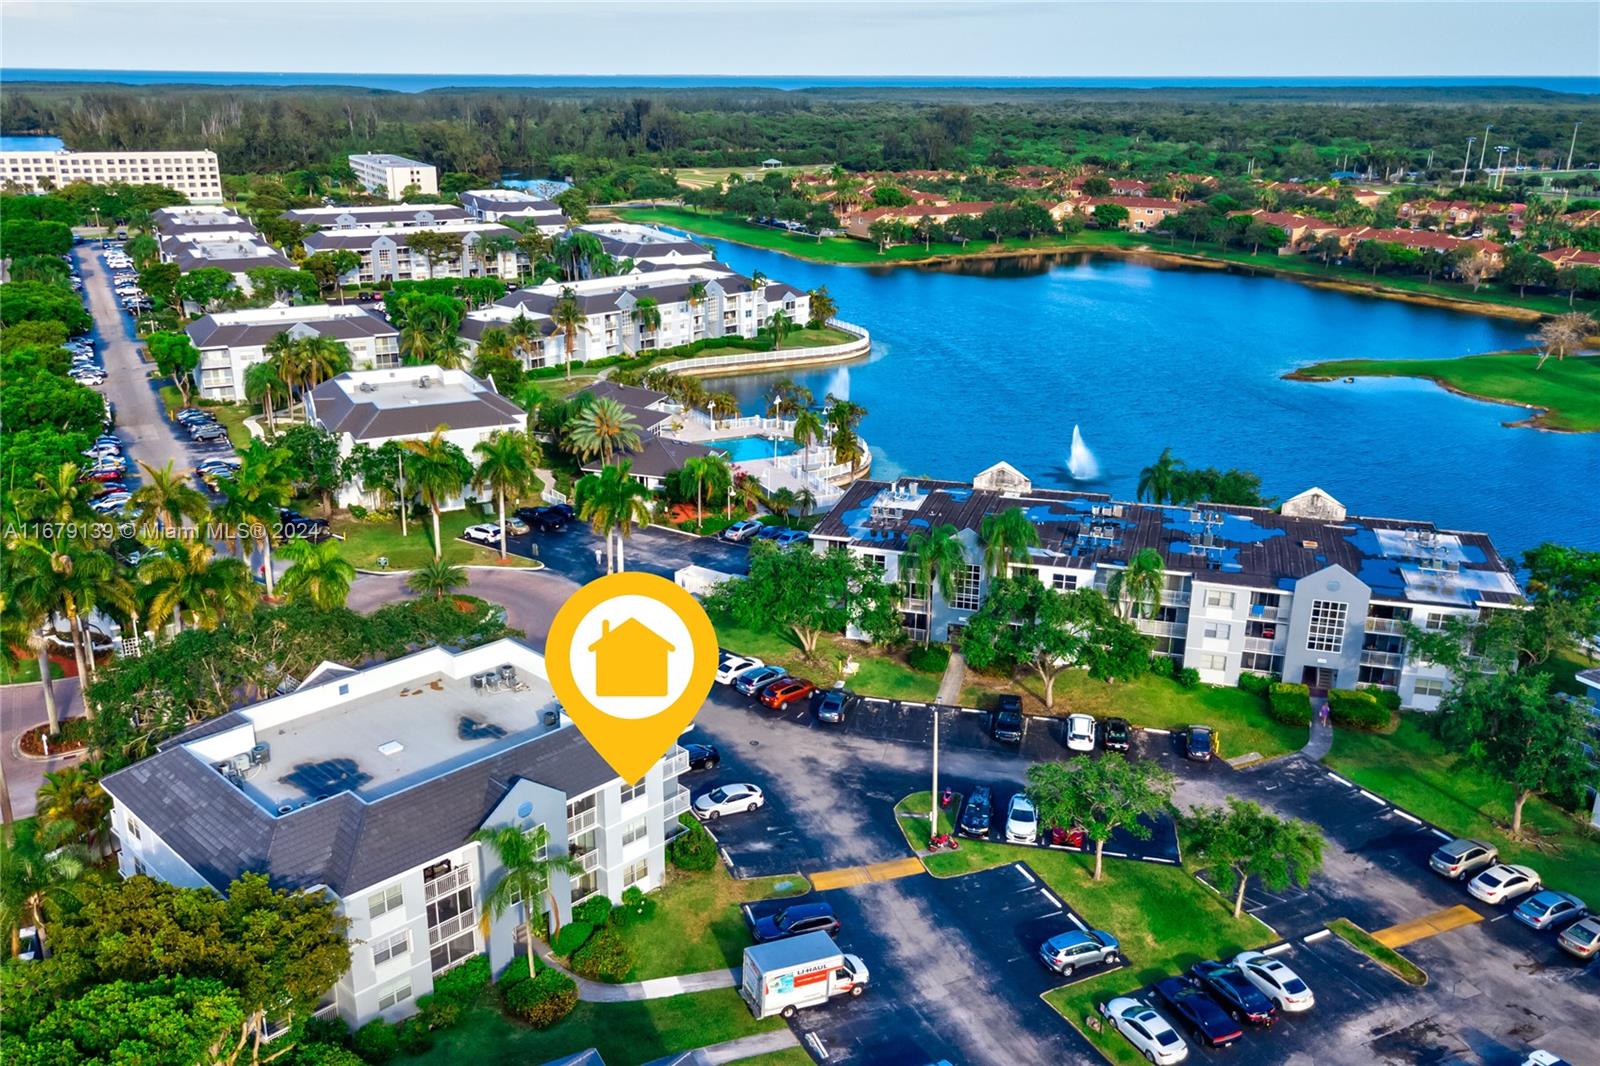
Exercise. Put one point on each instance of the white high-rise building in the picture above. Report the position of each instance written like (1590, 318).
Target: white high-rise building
(193, 173)
(391, 175)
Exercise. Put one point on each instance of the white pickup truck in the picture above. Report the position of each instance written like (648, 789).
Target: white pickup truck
(803, 971)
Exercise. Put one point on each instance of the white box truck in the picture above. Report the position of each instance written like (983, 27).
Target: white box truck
(786, 975)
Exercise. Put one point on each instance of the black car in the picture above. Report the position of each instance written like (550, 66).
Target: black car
(830, 706)
(703, 756)
(1243, 1001)
(1199, 743)
(977, 814)
(546, 519)
(792, 921)
(1007, 722)
(1209, 1023)
(1115, 733)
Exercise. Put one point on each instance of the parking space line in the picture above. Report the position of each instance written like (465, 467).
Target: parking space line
(1320, 934)
(1410, 818)
(1023, 870)
(1045, 892)
(816, 1042)
(1442, 835)
(1374, 798)
(1341, 780)
(1159, 732)
(1428, 925)
(1279, 949)
(726, 861)
(1076, 920)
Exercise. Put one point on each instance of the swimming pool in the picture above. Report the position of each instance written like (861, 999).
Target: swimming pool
(745, 449)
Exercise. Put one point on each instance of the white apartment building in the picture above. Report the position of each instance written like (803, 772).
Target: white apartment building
(386, 253)
(367, 784)
(421, 216)
(1306, 594)
(231, 342)
(193, 173)
(493, 205)
(390, 176)
(174, 221)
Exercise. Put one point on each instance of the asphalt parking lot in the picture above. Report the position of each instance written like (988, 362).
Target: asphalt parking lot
(573, 552)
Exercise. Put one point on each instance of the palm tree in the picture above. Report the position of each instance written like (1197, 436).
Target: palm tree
(38, 865)
(1158, 482)
(288, 358)
(1136, 588)
(567, 316)
(57, 498)
(187, 574)
(507, 468)
(646, 317)
(823, 306)
(1006, 537)
(603, 428)
(808, 427)
(529, 867)
(27, 605)
(806, 501)
(612, 501)
(321, 359)
(319, 574)
(73, 795)
(524, 336)
(438, 471)
(749, 491)
(695, 296)
(781, 325)
(263, 384)
(166, 498)
(262, 486)
(758, 281)
(698, 469)
(436, 579)
(934, 558)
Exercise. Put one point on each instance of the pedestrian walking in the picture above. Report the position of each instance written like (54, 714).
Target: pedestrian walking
(1322, 715)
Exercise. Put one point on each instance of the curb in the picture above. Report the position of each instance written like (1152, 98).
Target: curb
(534, 569)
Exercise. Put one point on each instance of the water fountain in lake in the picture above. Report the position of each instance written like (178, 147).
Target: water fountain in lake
(1081, 464)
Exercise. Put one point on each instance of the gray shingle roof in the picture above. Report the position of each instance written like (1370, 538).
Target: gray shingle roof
(659, 456)
(339, 412)
(208, 332)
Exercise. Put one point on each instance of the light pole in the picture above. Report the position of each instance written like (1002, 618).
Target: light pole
(1466, 163)
(1485, 147)
(1574, 145)
(1500, 151)
(933, 796)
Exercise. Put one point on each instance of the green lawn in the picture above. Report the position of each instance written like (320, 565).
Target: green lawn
(25, 670)
(1384, 956)
(1568, 390)
(1563, 668)
(365, 542)
(881, 672)
(1239, 717)
(625, 1034)
(698, 924)
(1410, 769)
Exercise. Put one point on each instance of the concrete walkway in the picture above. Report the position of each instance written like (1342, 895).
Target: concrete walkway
(955, 675)
(1320, 741)
(659, 988)
(744, 1047)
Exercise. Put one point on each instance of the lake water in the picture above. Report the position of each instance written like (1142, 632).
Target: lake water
(1000, 360)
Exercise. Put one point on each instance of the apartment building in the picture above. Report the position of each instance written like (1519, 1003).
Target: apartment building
(484, 250)
(367, 785)
(647, 247)
(494, 205)
(1307, 593)
(390, 176)
(174, 221)
(193, 173)
(419, 216)
(231, 342)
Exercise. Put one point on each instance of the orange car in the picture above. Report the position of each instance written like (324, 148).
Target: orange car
(785, 691)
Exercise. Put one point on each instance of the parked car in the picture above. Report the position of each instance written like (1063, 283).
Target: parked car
(767, 532)
(1462, 858)
(741, 530)
(483, 533)
(1581, 939)
(1501, 883)
(1199, 1013)
(1115, 734)
(1006, 725)
(1550, 910)
(732, 666)
(789, 537)
(516, 526)
(830, 708)
(1065, 952)
(1198, 743)
(1276, 981)
(551, 519)
(1060, 836)
(1080, 732)
(752, 681)
(785, 691)
(977, 814)
(795, 920)
(728, 799)
(703, 756)
(1022, 821)
(1150, 1034)
(1229, 987)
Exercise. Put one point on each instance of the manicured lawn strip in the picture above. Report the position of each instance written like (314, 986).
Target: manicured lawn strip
(787, 1057)
(625, 1034)
(365, 541)
(1410, 769)
(880, 673)
(1563, 668)
(1568, 390)
(1387, 957)
(698, 924)
(1239, 717)
(25, 670)
(232, 417)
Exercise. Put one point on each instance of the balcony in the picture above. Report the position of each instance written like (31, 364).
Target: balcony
(1386, 625)
(588, 858)
(676, 805)
(579, 824)
(676, 763)
(1383, 660)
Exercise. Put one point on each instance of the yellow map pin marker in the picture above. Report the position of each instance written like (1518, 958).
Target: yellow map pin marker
(631, 658)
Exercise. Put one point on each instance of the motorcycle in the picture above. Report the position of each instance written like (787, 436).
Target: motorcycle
(943, 841)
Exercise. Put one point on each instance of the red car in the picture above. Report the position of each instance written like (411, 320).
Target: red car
(785, 691)
(107, 474)
(1068, 838)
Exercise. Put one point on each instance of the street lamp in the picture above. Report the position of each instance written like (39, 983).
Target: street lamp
(1574, 145)
(1467, 162)
(1485, 147)
(1500, 151)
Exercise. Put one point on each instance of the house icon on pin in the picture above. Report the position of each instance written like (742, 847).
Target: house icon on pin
(630, 660)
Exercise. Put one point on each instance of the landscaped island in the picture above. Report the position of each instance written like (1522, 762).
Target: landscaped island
(1566, 392)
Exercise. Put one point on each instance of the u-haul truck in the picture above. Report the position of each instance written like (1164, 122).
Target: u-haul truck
(803, 971)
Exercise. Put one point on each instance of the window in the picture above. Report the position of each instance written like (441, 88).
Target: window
(383, 902)
(633, 791)
(877, 560)
(398, 992)
(1219, 598)
(133, 827)
(1212, 662)
(391, 948)
(638, 829)
(1059, 581)
(635, 872)
(1434, 621)
(1218, 630)
(969, 588)
(1429, 687)
(1326, 629)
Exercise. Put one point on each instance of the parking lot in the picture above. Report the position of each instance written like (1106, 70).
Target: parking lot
(578, 553)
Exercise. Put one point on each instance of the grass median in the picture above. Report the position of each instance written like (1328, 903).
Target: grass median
(366, 541)
(1384, 956)
(880, 672)
(698, 924)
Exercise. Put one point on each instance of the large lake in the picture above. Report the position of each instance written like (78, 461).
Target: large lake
(991, 361)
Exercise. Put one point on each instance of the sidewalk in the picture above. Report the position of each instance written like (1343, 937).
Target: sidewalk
(659, 988)
(744, 1047)
(1320, 741)
(955, 675)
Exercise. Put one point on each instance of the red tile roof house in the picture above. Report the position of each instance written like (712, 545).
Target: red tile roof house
(1561, 258)
(860, 223)
(1449, 212)
(1119, 186)
(1581, 219)
(1425, 239)
(1144, 212)
(1302, 230)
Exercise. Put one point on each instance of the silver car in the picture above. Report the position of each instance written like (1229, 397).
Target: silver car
(1462, 858)
(1501, 884)
(1550, 909)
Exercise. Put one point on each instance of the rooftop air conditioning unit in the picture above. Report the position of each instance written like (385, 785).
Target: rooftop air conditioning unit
(261, 754)
(367, 386)
(423, 382)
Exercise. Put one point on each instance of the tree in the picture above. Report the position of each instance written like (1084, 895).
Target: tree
(73, 796)
(1023, 624)
(38, 865)
(1158, 481)
(1136, 588)
(41, 301)
(527, 872)
(1569, 576)
(603, 429)
(1110, 216)
(261, 486)
(186, 574)
(320, 358)
(612, 502)
(205, 287)
(329, 267)
(175, 356)
(1007, 538)
(574, 204)
(568, 319)
(506, 469)
(1100, 795)
(1260, 233)
(808, 595)
(439, 469)
(318, 573)
(781, 326)
(1474, 269)
(1563, 334)
(822, 306)
(437, 579)
(1241, 841)
(314, 462)
(646, 317)
(176, 1021)
(932, 560)
(1375, 256)
(264, 385)
(699, 470)
(166, 499)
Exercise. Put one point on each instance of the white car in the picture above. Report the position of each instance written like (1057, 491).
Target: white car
(1276, 981)
(1500, 883)
(1149, 1033)
(728, 799)
(1022, 822)
(483, 533)
(1080, 732)
(734, 665)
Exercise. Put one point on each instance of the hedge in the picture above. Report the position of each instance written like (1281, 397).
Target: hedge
(1163, 665)
(930, 660)
(542, 1000)
(571, 937)
(635, 908)
(1357, 709)
(376, 1042)
(645, 360)
(1289, 703)
(692, 849)
(1189, 677)
(605, 957)
(595, 910)
(1256, 684)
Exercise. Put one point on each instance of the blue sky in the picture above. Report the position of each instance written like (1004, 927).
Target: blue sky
(1132, 38)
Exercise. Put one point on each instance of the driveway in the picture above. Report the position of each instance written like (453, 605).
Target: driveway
(573, 552)
(21, 708)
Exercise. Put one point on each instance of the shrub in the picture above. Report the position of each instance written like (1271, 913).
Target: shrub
(1289, 703)
(438, 1013)
(376, 1042)
(930, 660)
(1189, 677)
(1255, 684)
(1386, 698)
(541, 1001)
(314, 1053)
(1163, 665)
(605, 957)
(636, 907)
(462, 985)
(413, 1036)
(571, 937)
(595, 910)
(326, 1031)
(692, 849)
(357, 512)
(1357, 709)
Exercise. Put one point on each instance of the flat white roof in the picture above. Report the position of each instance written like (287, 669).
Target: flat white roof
(386, 159)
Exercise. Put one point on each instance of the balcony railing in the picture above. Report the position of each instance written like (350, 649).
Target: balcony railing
(1386, 625)
(676, 805)
(579, 824)
(677, 763)
(1387, 660)
(588, 858)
